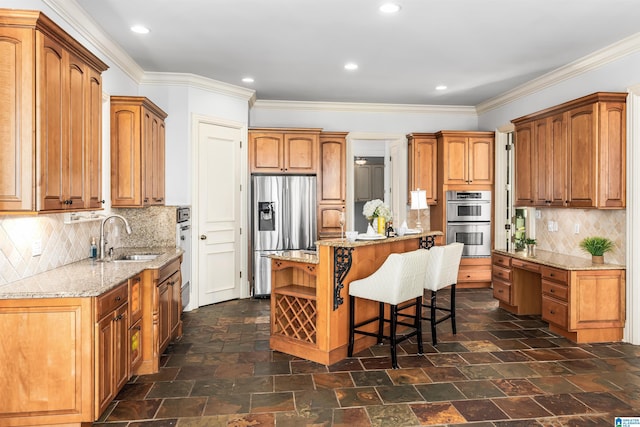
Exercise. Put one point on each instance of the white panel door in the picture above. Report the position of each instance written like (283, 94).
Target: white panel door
(219, 218)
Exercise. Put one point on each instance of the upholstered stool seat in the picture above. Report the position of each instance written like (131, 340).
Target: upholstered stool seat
(398, 282)
(442, 271)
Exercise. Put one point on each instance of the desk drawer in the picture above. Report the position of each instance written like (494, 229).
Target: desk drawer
(554, 311)
(474, 273)
(502, 291)
(555, 274)
(501, 273)
(502, 260)
(555, 290)
(525, 265)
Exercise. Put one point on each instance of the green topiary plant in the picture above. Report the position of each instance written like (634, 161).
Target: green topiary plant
(529, 241)
(596, 245)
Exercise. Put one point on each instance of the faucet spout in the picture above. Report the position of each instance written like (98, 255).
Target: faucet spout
(103, 241)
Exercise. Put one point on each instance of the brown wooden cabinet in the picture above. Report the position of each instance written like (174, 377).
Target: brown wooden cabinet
(135, 321)
(50, 115)
(289, 150)
(423, 165)
(112, 345)
(583, 305)
(137, 152)
(162, 311)
(573, 155)
(332, 185)
(467, 157)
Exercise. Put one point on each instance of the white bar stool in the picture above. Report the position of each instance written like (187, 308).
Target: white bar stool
(398, 282)
(442, 270)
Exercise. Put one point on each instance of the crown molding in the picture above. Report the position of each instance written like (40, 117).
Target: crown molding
(196, 81)
(365, 107)
(80, 21)
(587, 63)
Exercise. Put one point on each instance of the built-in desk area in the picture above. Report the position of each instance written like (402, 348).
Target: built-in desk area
(583, 302)
(309, 294)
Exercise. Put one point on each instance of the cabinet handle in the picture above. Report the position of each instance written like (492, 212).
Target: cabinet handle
(552, 290)
(550, 274)
(102, 201)
(118, 317)
(552, 312)
(146, 199)
(139, 328)
(118, 298)
(500, 291)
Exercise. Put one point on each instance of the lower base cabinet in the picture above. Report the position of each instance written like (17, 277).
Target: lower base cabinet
(63, 360)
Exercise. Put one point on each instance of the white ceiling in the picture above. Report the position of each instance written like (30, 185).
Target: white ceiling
(296, 49)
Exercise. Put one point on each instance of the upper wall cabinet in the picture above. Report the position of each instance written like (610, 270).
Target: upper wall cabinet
(423, 165)
(332, 185)
(573, 155)
(290, 151)
(50, 117)
(137, 152)
(467, 157)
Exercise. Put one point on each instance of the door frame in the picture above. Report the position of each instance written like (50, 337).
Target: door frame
(196, 121)
(388, 138)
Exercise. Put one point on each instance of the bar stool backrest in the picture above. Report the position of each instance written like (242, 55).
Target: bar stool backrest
(442, 266)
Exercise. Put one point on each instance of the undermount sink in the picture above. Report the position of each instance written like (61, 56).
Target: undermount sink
(137, 257)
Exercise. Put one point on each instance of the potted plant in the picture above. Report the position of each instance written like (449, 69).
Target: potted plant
(597, 246)
(531, 246)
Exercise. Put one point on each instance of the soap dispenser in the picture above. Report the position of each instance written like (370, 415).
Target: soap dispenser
(93, 252)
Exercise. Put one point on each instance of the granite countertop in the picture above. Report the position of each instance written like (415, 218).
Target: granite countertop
(308, 257)
(344, 243)
(558, 260)
(86, 278)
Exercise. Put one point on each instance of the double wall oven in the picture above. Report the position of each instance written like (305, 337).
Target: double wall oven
(469, 221)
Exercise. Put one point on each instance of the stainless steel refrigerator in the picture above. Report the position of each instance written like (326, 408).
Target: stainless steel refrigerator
(283, 218)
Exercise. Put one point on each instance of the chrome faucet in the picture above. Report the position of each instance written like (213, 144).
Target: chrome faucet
(103, 241)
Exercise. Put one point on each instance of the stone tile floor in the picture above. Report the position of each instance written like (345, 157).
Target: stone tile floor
(499, 370)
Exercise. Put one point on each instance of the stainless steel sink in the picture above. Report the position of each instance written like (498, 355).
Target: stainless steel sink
(136, 257)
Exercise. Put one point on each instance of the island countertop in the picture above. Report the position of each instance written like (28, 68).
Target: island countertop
(88, 277)
(344, 243)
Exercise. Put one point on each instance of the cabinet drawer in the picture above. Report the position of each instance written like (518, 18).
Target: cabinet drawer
(501, 273)
(113, 299)
(502, 260)
(525, 265)
(554, 311)
(474, 273)
(555, 290)
(169, 269)
(555, 274)
(502, 291)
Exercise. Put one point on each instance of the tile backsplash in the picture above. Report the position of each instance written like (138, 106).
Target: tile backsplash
(63, 244)
(591, 222)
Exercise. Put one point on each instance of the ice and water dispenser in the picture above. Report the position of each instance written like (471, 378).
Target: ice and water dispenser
(267, 216)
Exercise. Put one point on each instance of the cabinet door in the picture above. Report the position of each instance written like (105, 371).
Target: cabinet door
(612, 193)
(74, 166)
(423, 167)
(126, 156)
(362, 183)
(105, 354)
(300, 153)
(377, 182)
(94, 141)
(540, 163)
(266, 152)
(455, 160)
(329, 220)
(121, 360)
(332, 170)
(17, 118)
(557, 159)
(52, 96)
(523, 165)
(164, 314)
(480, 161)
(582, 132)
(153, 158)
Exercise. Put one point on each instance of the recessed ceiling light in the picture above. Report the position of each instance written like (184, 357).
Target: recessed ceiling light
(441, 87)
(140, 29)
(248, 79)
(351, 66)
(389, 8)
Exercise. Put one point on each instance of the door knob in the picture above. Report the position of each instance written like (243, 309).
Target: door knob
(203, 237)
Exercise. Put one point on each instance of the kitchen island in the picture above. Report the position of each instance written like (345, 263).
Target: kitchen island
(309, 313)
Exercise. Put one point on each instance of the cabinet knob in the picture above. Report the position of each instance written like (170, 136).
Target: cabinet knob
(118, 298)
(552, 312)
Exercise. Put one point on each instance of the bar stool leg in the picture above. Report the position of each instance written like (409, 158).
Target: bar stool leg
(380, 322)
(433, 318)
(418, 324)
(352, 317)
(394, 319)
(453, 308)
